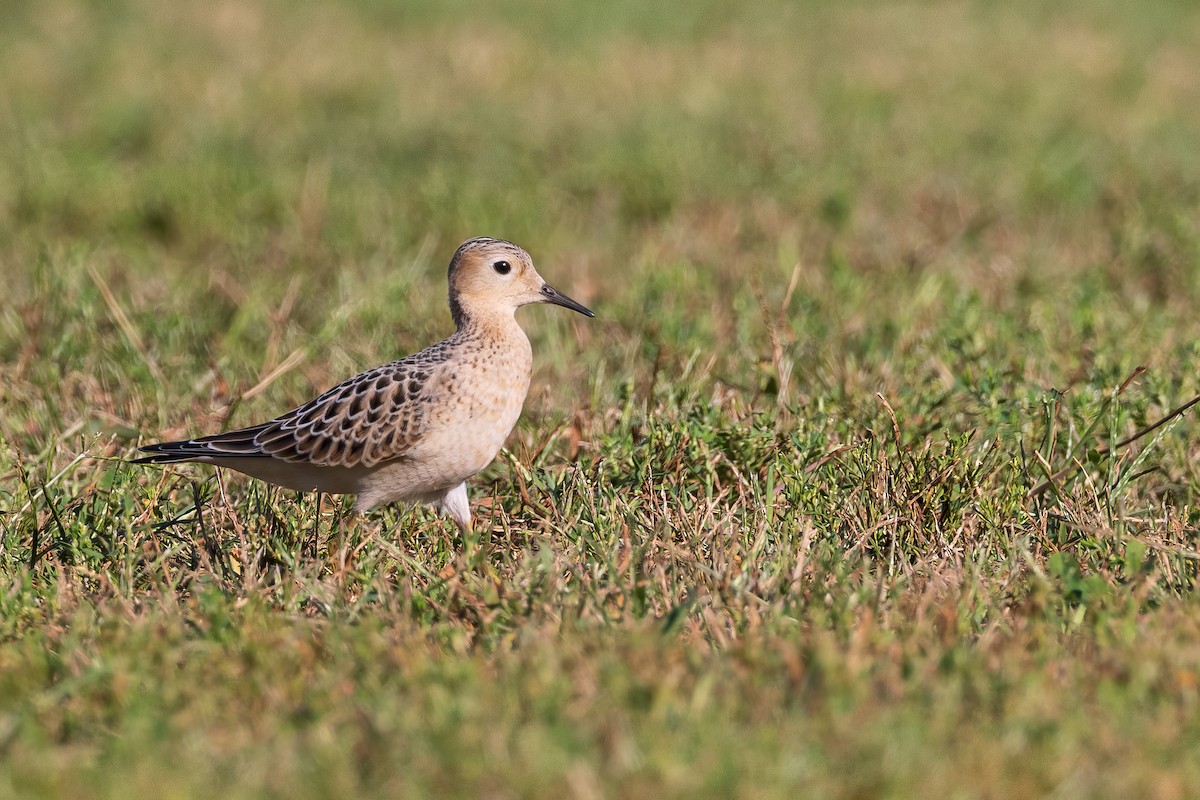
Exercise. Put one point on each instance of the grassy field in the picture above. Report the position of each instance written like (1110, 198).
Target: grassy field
(832, 499)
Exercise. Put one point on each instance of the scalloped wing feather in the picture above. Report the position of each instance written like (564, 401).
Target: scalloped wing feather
(372, 418)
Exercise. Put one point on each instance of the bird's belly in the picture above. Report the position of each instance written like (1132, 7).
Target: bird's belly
(292, 475)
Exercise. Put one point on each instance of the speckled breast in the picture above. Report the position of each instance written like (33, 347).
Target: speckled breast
(482, 393)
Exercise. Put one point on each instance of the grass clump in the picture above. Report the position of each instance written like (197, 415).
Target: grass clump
(853, 488)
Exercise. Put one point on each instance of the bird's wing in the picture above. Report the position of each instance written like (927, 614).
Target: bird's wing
(369, 419)
(373, 417)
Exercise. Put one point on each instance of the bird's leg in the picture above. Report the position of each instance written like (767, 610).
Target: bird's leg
(316, 528)
(345, 544)
(455, 505)
(338, 544)
(473, 559)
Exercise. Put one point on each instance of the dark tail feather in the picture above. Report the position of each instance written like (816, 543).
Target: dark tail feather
(171, 452)
(231, 443)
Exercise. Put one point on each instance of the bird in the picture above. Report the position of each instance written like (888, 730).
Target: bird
(414, 429)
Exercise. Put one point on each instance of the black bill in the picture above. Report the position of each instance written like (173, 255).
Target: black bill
(553, 295)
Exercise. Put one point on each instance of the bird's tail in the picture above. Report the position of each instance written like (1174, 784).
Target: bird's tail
(231, 443)
(171, 452)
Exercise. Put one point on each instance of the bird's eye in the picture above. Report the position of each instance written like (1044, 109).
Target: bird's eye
(502, 267)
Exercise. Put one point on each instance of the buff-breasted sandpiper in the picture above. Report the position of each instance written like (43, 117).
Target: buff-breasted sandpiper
(414, 429)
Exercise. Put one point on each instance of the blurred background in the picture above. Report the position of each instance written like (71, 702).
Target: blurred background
(252, 178)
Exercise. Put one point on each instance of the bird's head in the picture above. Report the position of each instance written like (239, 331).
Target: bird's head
(492, 276)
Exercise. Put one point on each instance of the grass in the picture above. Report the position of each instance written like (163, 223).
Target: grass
(831, 498)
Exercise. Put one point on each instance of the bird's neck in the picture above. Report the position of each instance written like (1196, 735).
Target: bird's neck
(496, 325)
(500, 337)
